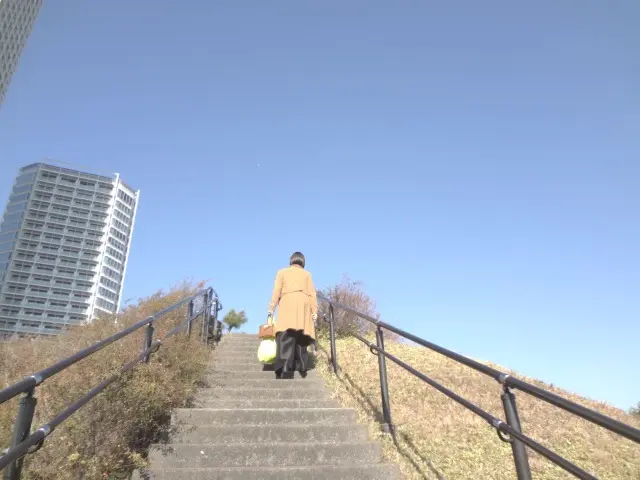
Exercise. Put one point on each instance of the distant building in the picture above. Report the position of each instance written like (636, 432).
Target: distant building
(64, 246)
(16, 20)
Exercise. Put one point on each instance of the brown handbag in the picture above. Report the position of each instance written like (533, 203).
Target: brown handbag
(268, 330)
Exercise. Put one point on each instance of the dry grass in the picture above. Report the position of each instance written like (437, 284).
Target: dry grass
(106, 438)
(438, 439)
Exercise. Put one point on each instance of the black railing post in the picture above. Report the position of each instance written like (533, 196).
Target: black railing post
(189, 317)
(21, 430)
(148, 340)
(332, 337)
(519, 450)
(387, 426)
(205, 317)
(214, 323)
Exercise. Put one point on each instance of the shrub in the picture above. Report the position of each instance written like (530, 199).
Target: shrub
(107, 437)
(351, 294)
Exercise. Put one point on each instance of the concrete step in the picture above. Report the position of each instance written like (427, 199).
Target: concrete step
(262, 416)
(201, 402)
(316, 391)
(263, 455)
(239, 367)
(241, 341)
(272, 383)
(239, 347)
(254, 375)
(244, 363)
(344, 472)
(235, 358)
(231, 353)
(270, 433)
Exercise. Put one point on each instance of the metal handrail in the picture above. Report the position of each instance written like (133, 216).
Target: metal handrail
(24, 442)
(509, 431)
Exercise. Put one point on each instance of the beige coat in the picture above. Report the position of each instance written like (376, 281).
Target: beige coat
(295, 297)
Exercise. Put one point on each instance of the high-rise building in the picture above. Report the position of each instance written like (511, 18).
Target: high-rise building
(64, 245)
(16, 20)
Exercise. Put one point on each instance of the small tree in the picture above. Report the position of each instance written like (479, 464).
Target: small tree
(234, 319)
(636, 410)
(349, 293)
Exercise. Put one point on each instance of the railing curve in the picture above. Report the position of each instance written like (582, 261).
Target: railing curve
(23, 442)
(508, 431)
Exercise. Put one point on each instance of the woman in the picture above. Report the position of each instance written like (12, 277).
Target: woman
(295, 297)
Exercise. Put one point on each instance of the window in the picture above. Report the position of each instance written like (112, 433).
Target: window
(19, 198)
(107, 294)
(26, 178)
(13, 217)
(48, 176)
(40, 278)
(109, 283)
(121, 226)
(111, 274)
(69, 180)
(119, 235)
(7, 246)
(8, 226)
(4, 237)
(124, 208)
(21, 189)
(117, 244)
(113, 263)
(18, 207)
(125, 198)
(106, 305)
(115, 254)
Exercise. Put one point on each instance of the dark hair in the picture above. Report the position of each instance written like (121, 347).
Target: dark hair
(297, 259)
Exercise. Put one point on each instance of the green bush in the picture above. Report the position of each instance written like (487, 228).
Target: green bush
(108, 436)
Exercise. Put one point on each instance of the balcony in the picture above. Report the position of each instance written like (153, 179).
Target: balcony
(43, 261)
(52, 296)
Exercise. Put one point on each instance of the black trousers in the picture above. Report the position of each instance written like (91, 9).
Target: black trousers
(292, 352)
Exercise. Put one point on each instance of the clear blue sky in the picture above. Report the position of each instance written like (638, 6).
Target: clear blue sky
(476, 166)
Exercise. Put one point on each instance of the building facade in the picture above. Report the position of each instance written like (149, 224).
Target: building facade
(16, 21)
(64, 245)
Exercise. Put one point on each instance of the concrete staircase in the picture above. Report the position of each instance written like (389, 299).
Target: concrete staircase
(248, 425)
